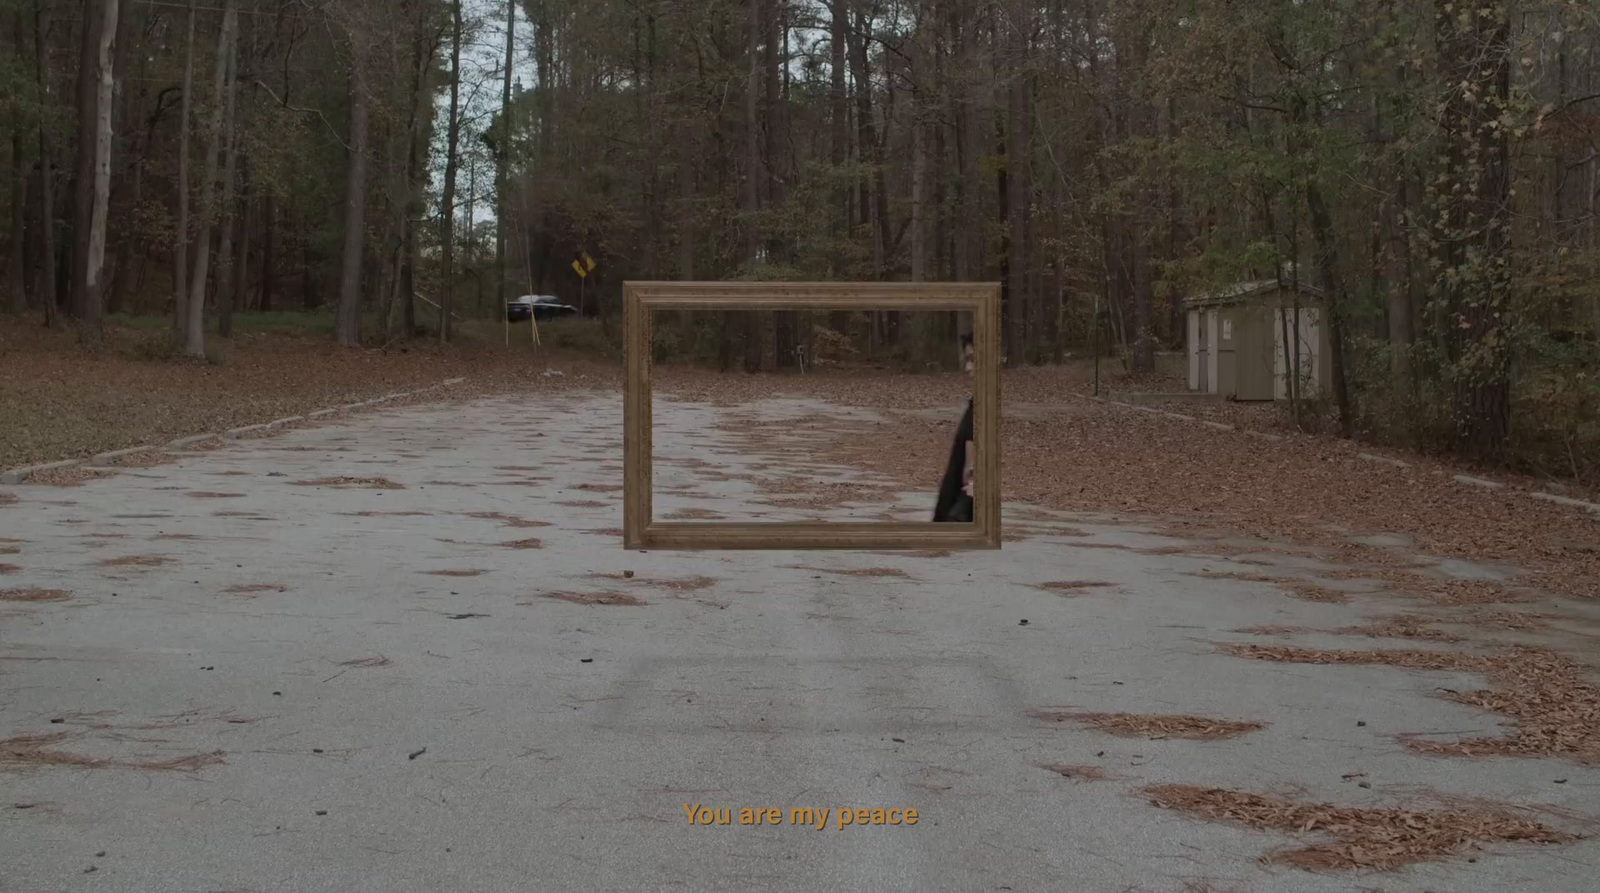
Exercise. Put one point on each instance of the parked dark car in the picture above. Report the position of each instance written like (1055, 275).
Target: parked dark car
(540, 307)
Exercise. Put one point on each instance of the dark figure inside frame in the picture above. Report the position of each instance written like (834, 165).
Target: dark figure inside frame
(955, 489)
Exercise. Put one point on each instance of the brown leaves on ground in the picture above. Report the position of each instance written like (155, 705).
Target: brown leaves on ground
(248, 588)
(42, 751)
(1075, 455)
(8, 568)
(506, 520)
(604, 531)
(1555, 707)
(1302, 589)
(529, 543)
(853, 571)
(33, 594)
(352, 483)
(70, 476)
(7, 498)
(456, 573)
(593, 598)
(142, 459)
(1155, 725)
(584, 504)
(598, 488)
(137, 561)
(1071, 587)
(211, 494)
(670, 584)
(1077, 773)
(1404, 626)
(1361, 838)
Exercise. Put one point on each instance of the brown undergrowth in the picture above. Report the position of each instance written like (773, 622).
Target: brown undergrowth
(1380, 839)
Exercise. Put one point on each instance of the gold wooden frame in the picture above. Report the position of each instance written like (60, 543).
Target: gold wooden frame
(641, 531)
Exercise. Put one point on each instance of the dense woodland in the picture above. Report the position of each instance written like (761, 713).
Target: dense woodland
(1433, 166)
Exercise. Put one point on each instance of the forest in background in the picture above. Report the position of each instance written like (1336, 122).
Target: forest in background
(1429, 165)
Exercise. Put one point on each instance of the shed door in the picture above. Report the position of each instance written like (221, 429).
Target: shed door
(1203, 350)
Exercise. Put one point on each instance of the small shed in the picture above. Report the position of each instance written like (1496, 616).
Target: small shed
(1236, 341)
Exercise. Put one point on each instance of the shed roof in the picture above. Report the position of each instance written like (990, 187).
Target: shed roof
(1241, 292)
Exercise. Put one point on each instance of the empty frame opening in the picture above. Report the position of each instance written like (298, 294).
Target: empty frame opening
(804, 415)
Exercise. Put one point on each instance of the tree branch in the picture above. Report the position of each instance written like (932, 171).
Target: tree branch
(318, 113)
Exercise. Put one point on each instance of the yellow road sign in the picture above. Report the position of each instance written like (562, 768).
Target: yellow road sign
(577, 267)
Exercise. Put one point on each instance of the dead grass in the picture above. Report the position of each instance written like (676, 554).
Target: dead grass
(348, 483)
(1553, 704)
(1155, 726)
(70, 476)
(456, 573)
(137, 561)
(1077, 773)
(593, 598)
(1360, 838)
(34, 594)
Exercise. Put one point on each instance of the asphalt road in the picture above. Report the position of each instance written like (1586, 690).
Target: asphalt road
(293, 686)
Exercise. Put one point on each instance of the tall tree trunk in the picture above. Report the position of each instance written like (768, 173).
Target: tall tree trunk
(180, 251)
(1333, 286)
(91, 25)
(225, 260)
(194, 342)
(752, 173)
(1019, 191)
(839, 148)
(269, 242)
(1473, 246)
(48, 285)
(16, 280)
(89, 330)
(347, 328)
(503, 154)
(447, 217)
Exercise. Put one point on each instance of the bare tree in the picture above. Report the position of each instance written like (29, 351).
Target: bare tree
(94, 262)
(447, 221)
(194, 342)
(47, 230)
(180, 250)
(347, 330)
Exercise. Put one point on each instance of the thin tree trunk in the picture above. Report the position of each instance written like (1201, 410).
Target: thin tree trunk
(48, 285)
(269, 279)
(347, 329)
(447, 220)
(194, 342)
(1018, 190)
(752, 173)
(180, 251)
(91, 25)
(503, 154)
(16, 280)
(225, 259)
(89, 331)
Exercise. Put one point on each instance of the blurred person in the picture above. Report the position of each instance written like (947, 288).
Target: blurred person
(955, 490)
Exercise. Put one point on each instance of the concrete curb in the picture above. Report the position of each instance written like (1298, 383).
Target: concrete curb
(1465, 480)
(1370, 457)
(21, 475)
